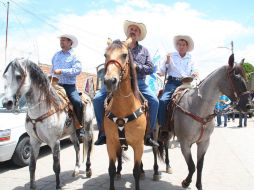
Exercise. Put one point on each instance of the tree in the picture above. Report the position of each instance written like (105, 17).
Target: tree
(248, 68)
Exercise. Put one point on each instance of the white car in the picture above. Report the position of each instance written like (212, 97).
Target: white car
(14, 141)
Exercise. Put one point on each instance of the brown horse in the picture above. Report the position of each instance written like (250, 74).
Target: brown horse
(124, 120)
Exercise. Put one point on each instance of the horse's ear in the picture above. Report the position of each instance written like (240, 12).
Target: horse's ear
(109, 42)
(231, 60)
(128, 42)
(242, 62)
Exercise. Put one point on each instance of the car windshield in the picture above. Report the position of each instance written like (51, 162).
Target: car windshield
(22, 105)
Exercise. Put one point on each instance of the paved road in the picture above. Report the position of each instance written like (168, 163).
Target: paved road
(229, 165)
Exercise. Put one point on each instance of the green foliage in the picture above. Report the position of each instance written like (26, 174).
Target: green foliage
(248, 68)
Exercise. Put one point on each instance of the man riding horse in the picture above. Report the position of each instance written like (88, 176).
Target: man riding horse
(66, 67)
(144, 66)
(176, 66)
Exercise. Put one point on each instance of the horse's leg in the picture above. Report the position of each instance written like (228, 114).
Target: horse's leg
(202, 148)
(56, 164)
(119, 165)
(156, 174)
(142, 172)
(112, 152)
(76, 144)
(186, 151)
(168, 167)
(89, 143)
(35, 149)
(138, 151)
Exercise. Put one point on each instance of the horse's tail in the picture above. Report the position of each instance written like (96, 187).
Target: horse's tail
(87, 143)
(161, 153)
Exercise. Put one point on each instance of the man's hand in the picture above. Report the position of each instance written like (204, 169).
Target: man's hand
(168, 58)
(58, 72)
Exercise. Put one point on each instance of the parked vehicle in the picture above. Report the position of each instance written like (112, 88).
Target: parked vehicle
(14, 141)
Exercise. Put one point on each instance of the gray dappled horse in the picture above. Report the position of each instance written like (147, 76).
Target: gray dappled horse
(47, 119)
(194, 113)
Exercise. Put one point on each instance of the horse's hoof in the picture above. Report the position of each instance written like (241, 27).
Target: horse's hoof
(89, 173)
(185, 184)
(169, 170)
(156, 177)
(75, 173)
(142, 176)
(33, 187)
(118, 176)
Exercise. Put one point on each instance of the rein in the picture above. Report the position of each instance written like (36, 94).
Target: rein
(17, 95)
(236, 96)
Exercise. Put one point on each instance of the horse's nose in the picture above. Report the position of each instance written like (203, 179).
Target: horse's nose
(8, 104)
(110, 82)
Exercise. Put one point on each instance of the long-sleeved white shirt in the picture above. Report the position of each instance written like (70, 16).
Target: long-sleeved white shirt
(178, 66)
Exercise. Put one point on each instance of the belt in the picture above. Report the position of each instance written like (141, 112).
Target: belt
(175, 78)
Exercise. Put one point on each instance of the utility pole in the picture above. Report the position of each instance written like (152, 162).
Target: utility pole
(6, 33)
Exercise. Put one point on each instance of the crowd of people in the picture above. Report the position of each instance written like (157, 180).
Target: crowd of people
(225, 108)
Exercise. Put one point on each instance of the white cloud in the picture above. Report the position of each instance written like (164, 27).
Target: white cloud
(163, 22)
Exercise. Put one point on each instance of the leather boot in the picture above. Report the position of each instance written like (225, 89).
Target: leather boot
(101, 139)
(149, 140)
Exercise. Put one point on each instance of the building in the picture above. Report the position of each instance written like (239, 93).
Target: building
(81, 79)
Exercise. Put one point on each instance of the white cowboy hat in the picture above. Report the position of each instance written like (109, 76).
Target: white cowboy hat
(141, 26)
(188, 39)
(72, 38)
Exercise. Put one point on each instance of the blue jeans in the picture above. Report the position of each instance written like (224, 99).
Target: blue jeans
(225, 115)
(243, 117)
(153, 104)
(164, 100)
(75, 99)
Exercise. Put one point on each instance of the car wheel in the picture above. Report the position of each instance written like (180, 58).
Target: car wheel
(22, 153)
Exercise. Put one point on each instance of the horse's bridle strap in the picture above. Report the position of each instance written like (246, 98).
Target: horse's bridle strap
(126, 119)
(120, 122)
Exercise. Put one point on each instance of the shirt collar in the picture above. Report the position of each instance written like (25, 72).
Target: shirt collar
(70, 51)
(187, 55)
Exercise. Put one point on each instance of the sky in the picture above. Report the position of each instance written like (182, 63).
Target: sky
(34, 26)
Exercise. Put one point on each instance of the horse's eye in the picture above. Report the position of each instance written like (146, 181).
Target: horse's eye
(105, 55)
(124, 56)
(18, 77)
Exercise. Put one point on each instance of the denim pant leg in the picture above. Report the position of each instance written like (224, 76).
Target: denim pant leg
(153, 102)
(240, 119)
(219, 118)
(98, 103)
(164, 100)
(225, 115)
(75, 99)
(245, 119)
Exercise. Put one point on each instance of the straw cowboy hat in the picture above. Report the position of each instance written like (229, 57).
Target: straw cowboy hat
(188, 39)
(141, 26)
(72, 38)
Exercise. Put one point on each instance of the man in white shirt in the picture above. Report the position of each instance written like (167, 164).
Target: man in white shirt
(177, 65)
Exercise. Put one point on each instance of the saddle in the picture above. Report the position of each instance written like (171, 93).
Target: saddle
(168, 128)
(67, 104)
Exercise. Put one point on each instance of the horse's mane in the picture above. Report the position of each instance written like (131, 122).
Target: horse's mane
(133, 74)
(39, 80)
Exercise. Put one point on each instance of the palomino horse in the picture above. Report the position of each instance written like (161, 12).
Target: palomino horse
(47, 118)
(124, 120)
(194, 113)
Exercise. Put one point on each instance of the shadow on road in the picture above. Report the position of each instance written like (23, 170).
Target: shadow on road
(100, 182)
(44, 151)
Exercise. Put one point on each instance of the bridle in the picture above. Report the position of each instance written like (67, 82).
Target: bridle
(236, 94)
(18, 94)
(118, 64)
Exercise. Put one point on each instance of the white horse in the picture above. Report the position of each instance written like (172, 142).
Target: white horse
(48, 118)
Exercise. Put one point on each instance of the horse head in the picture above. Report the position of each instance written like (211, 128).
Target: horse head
(16, 83)
(237, 89)
(117, 63)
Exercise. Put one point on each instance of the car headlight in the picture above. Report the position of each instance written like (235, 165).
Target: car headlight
(5, 135)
